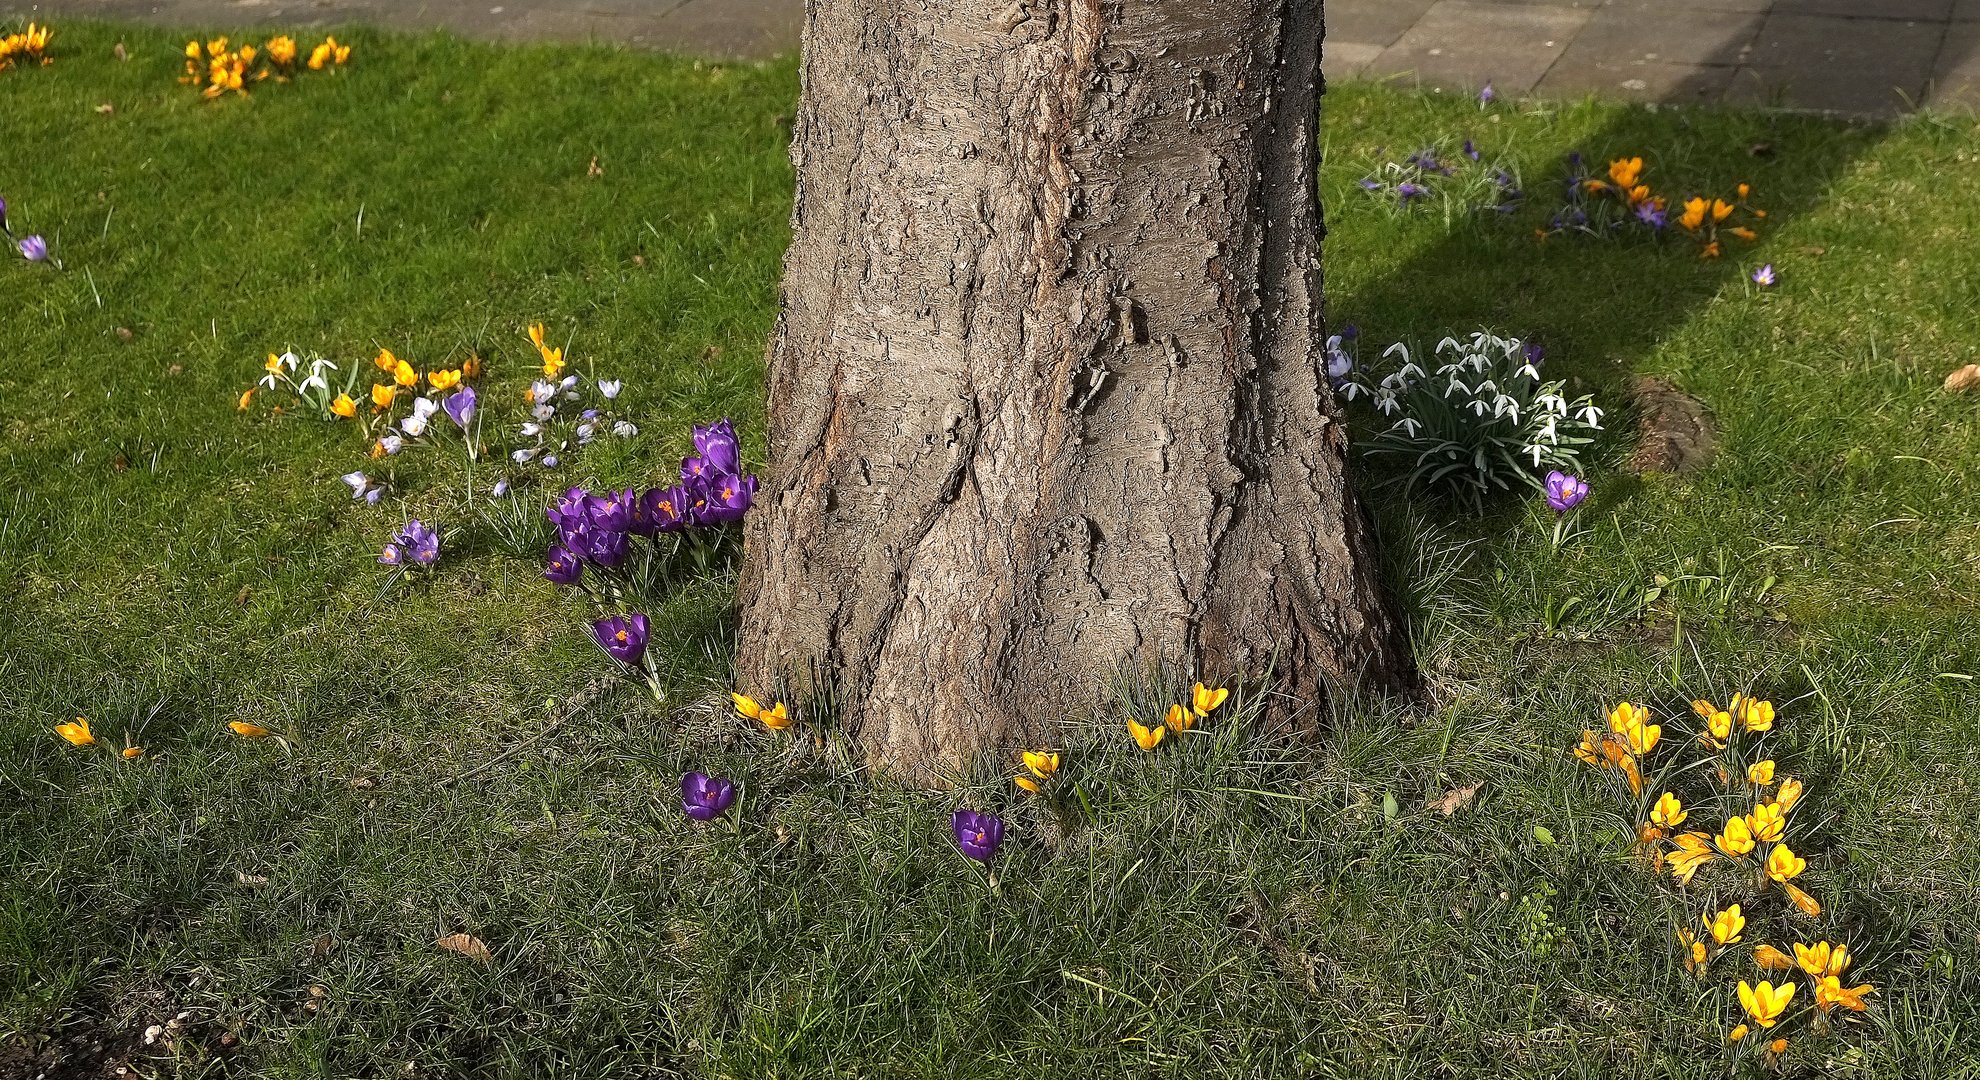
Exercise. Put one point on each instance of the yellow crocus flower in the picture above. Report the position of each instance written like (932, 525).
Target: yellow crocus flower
(319, 56)
(1761, 772)
(1694, 213)
(282, 49)
(1766, 1002)
(1694, 849)
(1726, 926)
(1041, 763)
(1788, 795)
(246, 396)
(385, 361)
(1148, 738)
(553, 363)
(1767, 822)
(249, 731)
(77, 733)
(1721, 210)
(1783, 863)
(1625, 171)
(536, 335)
(344, 406)
(776, 718)
(1026, 782)
(1829, 992)
(1808, 904)
(405, 376)
(274, 363)
(1590, 750)
(1205, 700)
(1643, 738)
(1772, 959)
(443, 380)
(1737, 839)
(1179, 719)
(1822, 958)
(382, 395)
(1669, 812)
(1737, 1033)
(746, 706)
(471, 367)
(1626, 716)
(133, 752)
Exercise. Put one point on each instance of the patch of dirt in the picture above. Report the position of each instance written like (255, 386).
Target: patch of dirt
(1675, 432)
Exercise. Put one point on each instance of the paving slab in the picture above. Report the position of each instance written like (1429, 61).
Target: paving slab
(1346, 59)
(1637, 80)
(1929, 10)
(1644, 32)
(1462, 44)
(1379, 22)
(1875, 67)
(1956, 76)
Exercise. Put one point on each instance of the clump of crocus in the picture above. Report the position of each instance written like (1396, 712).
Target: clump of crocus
(978, 835)
(218, 67)
(414, 545)
(704, 797)
(560, 417)
(1459, 177)
(1042, 764)
(775, 717)
(28, 46)
(1621, 201)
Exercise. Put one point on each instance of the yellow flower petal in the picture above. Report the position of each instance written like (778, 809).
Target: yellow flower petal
(77, 733)
(746, 706)
(250, 731)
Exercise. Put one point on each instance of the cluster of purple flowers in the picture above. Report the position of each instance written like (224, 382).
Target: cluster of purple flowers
(415, 544)
(1422, 174)
(597, 529)
(32, 248)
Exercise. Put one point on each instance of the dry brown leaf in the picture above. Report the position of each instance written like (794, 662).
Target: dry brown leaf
(1966, 378)
(120, 52)
(106, 108)
(467, 945)
(1455, 799)
(323, 946)
(246, 878)
(594, 170)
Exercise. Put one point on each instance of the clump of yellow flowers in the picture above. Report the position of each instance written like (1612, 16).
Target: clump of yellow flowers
(218, 68)
(29, 46)
(1732, 779)
(1202, 702)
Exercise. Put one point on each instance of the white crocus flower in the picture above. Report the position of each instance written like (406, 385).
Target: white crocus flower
(423, 409)
(392, 443)
(522, 456)
(610, 387)
(624, 429)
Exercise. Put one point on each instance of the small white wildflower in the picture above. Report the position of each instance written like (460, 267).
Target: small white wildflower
(1592, 416)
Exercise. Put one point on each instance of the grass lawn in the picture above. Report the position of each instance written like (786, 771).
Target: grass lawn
(1236, 907)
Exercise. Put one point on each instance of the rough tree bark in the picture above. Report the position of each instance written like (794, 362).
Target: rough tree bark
(1046, 391)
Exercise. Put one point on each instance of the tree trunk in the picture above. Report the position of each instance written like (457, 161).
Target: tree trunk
(1046, 395)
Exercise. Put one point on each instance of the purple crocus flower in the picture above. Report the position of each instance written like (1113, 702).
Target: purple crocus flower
(563, 567)
(600, 547)
(705, 797)
(1408, 190)
(1534, 353)
(3, 214)
(1349, 332)
(663, 510)
(1369, 184)
(623, 636)
(724, 499)
(569, 513)
(1650, 214)
(717, 452)
(422, 543)
(1764, 277)
(1471, 150)
(34, 249)
(393, 555)
(978, 835)
(610, 512)
(1486, 95)
(460, 406)
(1565, 491)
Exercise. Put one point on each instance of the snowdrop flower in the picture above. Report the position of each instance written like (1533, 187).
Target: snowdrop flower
(610, 387)
(1536, 450)
(1548, 432)
(1591, 416)
(624, 429)
(1552, 403)
(1455, 385)
(1351, 390)
(521, 457)
(1387, 403)
(1409, 425)
(1411, 367)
